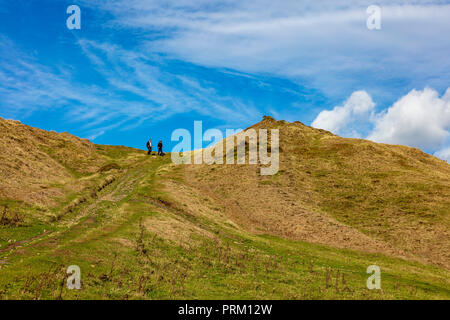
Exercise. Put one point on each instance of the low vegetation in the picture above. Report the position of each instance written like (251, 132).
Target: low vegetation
(140, 227)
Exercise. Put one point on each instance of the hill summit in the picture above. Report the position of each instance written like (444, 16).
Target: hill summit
(140, 226)
(347, 193)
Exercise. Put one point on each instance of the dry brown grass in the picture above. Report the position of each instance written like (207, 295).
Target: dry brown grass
(178, 230)
(36, 165)
(346, 193)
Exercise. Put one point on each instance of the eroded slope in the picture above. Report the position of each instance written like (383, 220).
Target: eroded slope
(346, 193)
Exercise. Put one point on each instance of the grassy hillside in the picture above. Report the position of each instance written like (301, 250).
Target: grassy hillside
(346, 193)
(140, 227)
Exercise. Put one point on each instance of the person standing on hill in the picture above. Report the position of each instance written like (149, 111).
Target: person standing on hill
(149, 146)
(160, 148)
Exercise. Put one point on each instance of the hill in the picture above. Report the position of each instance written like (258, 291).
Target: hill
(141, 227)
(32, 158)
(347, 193)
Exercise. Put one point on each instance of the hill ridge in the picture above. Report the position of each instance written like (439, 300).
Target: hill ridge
(142, 227)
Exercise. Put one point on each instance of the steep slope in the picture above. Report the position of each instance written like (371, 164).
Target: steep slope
(347, 193)
(141, 227)
(134, 240)
(44, 174)
(34, 160)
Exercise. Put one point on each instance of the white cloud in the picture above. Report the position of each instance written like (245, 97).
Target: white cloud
(325, 43)
(419, 119)
(138, 73)
(26, 86)
(443, 154)
(343, 120)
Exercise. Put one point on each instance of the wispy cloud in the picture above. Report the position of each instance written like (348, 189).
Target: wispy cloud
(325, 42)
(135, 90)
(165, 93)
(152, 60)
(27, 85)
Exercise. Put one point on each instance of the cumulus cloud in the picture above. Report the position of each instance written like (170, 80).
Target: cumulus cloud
(343, 120)
(419, 119)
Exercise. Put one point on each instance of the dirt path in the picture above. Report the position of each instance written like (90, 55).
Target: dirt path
(113, 193)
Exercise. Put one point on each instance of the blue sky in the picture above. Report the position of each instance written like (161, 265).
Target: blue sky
(140, 69)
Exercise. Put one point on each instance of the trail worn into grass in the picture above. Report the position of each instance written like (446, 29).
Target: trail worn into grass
(140, 227)
(150, 235)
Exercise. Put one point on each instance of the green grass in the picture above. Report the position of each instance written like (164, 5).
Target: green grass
(121, 259)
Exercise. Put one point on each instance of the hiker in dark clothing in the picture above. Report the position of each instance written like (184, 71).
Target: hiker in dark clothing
(160, 150)
(149, 146)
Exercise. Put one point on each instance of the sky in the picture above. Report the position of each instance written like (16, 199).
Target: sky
(141, 69)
